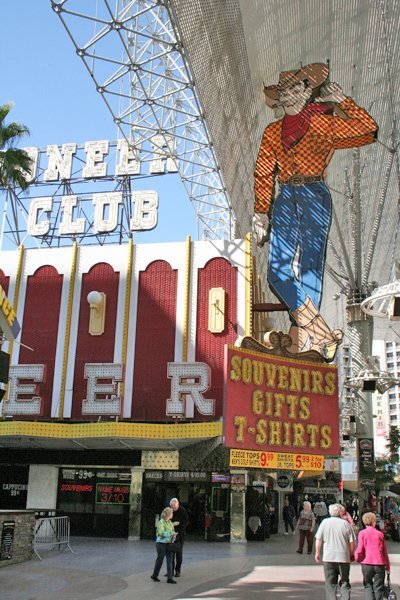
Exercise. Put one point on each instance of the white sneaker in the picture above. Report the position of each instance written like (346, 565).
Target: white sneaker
(286, 533)
(294, 533)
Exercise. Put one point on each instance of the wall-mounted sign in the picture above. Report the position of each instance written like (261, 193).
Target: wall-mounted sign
(8, 320)
(280, 405)
(284, 483)
(189, 382)
(177, 476)
(13, 494)
(220, 478)
(254, 459)
(112, 493)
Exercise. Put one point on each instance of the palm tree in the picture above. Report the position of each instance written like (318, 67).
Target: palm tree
(393, 444)
(14, 162)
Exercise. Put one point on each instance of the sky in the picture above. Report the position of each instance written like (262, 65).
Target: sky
(54, 96)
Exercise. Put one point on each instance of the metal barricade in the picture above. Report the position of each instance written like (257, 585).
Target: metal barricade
(51, 532)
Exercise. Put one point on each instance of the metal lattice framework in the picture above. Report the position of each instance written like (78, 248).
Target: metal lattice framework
(133, 53)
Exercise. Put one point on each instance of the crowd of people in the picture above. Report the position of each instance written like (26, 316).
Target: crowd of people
(330, 528)
(337, 545)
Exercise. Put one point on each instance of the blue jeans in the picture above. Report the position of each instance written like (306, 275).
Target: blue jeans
(161, 554)
(300, 223)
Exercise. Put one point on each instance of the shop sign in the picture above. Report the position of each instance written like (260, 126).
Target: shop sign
(177, 476)
(112, 493)
(220, 478)
(280, 405)
(254, 459)
(7, 540)
(154, 475)
(13, 486)
(284, 483)
(319, 490)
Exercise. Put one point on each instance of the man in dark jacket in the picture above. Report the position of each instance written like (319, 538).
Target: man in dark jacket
(180, 520)
(288, 515)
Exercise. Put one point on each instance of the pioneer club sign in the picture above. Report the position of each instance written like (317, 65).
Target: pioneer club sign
(93, 161)
(280, 405)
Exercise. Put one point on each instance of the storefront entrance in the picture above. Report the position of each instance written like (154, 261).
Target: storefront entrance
(205, 497)
(156, 496)
(96, 501)
(261, 517)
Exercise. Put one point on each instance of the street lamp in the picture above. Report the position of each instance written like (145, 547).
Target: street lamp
(371, 378)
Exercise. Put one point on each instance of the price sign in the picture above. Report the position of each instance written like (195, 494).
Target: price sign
(276, 460)
(112, 493)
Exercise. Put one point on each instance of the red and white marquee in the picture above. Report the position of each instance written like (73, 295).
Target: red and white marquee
(149, 346)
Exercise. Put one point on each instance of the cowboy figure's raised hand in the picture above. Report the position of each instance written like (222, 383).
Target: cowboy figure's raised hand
(331, 92)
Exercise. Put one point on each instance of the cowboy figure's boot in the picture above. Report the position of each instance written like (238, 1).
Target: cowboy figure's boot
(301, 341)
(322, 339)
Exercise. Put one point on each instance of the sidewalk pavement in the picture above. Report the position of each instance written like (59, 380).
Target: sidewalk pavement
(115, 569)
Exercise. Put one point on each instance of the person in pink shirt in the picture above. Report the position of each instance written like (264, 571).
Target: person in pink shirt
(373, 555)
(347, 517)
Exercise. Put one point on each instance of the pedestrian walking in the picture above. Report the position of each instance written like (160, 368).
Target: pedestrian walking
(320, 510)
(347, 516)
(165, 535)
(373, 555)
(288, 514)
(306, 527)
(337, 539)
(180, 522)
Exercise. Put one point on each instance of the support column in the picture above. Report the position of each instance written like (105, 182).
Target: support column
(135, 503)
(360, 332)
(238, 506)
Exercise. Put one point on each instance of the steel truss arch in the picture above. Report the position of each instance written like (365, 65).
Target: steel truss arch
(134, 55)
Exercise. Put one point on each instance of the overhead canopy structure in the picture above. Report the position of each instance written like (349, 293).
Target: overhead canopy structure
(236, 45)
(193, 73)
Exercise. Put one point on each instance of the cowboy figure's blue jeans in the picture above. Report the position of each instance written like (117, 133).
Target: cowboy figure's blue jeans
(300, 223)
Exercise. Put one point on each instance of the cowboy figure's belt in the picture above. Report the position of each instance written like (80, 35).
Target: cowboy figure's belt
(301, 179)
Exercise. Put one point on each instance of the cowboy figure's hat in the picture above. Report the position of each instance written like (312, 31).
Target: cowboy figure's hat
(315, 73)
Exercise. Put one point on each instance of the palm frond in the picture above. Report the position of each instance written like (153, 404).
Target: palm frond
(4, 110)
(15, 163)
(11, 133)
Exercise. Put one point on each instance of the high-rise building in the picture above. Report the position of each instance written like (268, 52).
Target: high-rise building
(386, 406)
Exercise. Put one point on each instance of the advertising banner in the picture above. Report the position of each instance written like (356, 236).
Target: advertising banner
(365, 455)
(7, 540)
(254, 459)
(280, 405)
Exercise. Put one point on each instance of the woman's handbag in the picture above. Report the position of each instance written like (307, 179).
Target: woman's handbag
(389, 592)
(174, 547)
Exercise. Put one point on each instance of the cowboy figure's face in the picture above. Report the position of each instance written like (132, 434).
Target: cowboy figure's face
(294, 97)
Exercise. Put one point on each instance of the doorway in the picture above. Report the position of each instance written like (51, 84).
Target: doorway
(192, 496)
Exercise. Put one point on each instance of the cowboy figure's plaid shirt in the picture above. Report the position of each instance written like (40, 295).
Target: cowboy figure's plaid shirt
(312, 154)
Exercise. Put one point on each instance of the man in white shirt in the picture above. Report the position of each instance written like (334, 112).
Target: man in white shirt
(338, 540)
